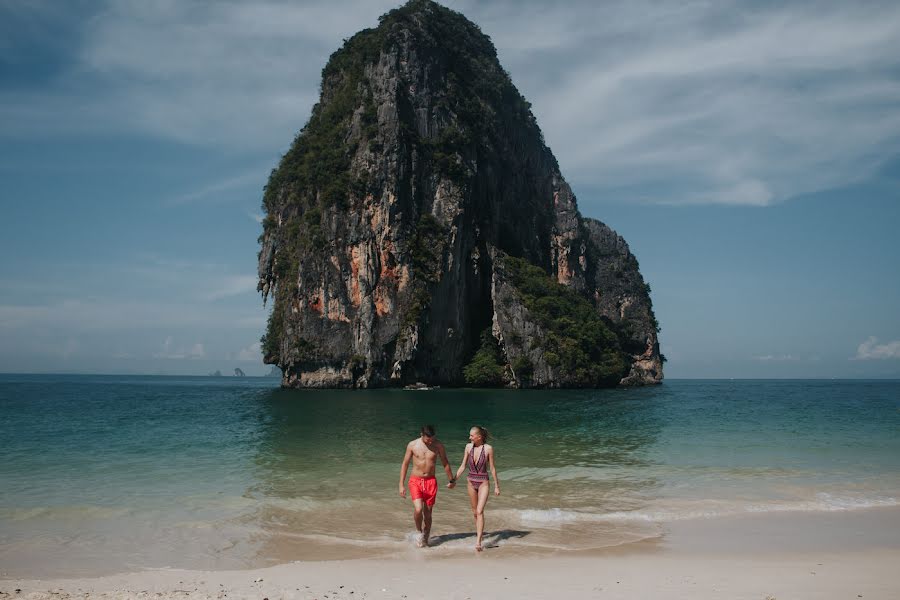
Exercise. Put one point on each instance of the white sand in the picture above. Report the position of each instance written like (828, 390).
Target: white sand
(847, 555)
(873, 574)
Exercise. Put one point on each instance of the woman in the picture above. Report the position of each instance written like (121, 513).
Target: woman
(479, 455)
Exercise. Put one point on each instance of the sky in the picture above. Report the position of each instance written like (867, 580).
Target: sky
(749, 152)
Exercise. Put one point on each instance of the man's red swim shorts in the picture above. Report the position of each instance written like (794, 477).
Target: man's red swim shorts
(424, 488)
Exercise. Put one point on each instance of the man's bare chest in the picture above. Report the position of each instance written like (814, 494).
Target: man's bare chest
(423, 453)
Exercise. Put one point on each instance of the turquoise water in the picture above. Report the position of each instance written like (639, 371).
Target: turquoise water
(103, 473)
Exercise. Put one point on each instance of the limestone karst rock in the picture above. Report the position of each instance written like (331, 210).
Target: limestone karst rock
(419, 230)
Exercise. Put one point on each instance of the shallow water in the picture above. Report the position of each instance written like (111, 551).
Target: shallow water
(102, 474)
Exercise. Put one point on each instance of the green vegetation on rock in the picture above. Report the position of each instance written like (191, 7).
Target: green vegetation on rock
(426, 256)
(577, 342)
(271, 339)
(486, 368)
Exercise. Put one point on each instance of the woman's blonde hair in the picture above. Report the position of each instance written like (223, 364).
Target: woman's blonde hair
(485, 434)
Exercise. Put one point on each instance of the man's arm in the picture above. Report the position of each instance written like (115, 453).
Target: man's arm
(442, 452)
(403, 468)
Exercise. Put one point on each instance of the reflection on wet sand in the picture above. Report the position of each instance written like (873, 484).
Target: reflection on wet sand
(328, 465)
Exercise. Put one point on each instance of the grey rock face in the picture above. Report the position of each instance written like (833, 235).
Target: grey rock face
(621, 295)
(515, 329)
(382, 270)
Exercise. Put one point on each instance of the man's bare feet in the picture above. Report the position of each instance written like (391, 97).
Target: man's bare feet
(478, 547)
(421, 542)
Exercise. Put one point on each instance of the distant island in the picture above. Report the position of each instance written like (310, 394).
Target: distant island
(238, 372)
(419, 230)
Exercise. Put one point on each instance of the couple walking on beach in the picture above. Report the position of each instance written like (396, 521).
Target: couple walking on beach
(424, 452)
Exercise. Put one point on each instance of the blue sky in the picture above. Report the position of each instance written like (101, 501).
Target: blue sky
(748, 152)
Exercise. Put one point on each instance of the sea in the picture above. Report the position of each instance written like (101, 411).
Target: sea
(106, 474)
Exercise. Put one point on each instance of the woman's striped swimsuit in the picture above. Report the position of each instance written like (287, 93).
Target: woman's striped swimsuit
(477, 471)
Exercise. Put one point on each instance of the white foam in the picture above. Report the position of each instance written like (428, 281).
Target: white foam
(552, 515)
(681, 510)
(311, 504)
(707, 509)
(380, 542)
(565, 473)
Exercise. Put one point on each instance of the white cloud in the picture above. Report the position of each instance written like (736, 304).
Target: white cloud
(692, 102)
(97, 315)
(243, 74)
(257, 322)
(872, 350)
(166, 348)
(212, 190)
(203, 281)
(207, 309)
(775, 358)
(170, 352)
(253, 352)
(760, 107)
(232, 286)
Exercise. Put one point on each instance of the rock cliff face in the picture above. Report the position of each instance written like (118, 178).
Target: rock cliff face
(419, 229)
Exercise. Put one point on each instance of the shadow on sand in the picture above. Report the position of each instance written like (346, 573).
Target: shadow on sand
(490, 537)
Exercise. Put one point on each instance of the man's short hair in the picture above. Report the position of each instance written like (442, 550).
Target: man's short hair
(428, 430)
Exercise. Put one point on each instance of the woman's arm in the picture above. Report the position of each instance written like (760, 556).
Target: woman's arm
(462, 465)
(494, 471)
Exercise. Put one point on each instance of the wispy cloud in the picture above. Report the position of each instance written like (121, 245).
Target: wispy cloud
(253, 352)
(872, 350)
(96, 315)
(233, 286)
(678, 103)
(243, 74)
(200, 300)
(196, 351)
(714, 103)
(212, 190)
(200, 280)
(776, 358)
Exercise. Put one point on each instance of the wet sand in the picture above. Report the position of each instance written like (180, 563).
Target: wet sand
(843, 555)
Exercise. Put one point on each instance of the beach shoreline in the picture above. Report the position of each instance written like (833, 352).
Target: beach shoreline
(851, 554)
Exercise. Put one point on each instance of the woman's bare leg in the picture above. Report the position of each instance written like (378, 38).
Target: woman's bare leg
(483, 492)
(473, 500)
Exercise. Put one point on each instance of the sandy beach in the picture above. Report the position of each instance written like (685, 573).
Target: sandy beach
(846, 555)
(823, 575)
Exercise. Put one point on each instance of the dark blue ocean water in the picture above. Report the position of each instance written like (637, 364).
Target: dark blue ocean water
(112, 473)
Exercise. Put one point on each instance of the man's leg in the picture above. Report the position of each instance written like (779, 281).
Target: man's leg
(418, 506)
(426, 529)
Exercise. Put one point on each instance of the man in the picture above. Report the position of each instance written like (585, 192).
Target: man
(423, 451)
